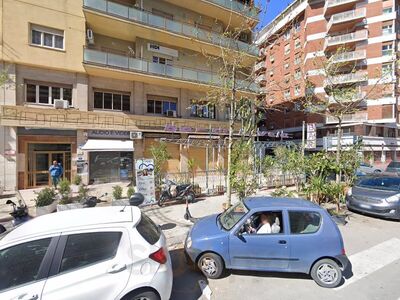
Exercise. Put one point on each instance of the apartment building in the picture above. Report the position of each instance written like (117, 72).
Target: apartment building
(94, 84)
(364, 33)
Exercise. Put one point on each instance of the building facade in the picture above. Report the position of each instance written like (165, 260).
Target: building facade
(94, 84)
(363, 33)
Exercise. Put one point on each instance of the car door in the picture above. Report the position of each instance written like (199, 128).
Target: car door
(24, 268)
(260, 251)
(93, 264)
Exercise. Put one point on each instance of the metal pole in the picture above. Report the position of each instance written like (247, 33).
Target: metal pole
(303, 138)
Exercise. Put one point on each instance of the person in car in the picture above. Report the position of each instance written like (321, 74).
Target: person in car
(265, 225)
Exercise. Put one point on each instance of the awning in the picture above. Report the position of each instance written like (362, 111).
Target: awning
(108, 145)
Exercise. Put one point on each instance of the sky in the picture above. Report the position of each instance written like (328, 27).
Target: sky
(273, 8)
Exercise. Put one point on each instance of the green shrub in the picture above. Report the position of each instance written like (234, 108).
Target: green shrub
(45, 197)
(82, 192)
(77, 180)
(130, 191)
(283, 192)
(117, 192)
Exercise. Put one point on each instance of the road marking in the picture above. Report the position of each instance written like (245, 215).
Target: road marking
(371, 260)
(205, 290)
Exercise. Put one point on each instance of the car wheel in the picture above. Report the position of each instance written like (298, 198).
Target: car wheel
(377, 171)
(144, 295)
(326, 273)
(211, 265)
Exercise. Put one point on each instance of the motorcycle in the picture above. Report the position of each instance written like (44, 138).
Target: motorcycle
(20, 212)
(91, 201)
(172, 191)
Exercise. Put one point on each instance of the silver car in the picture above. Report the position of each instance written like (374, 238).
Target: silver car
(368, 169)
(376, 195)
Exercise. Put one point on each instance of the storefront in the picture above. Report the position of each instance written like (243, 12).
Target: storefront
(38, 148)
(110, 156)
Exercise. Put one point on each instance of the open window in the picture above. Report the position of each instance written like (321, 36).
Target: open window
(264, 222)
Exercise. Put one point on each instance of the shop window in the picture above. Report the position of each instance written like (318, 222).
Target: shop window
(46, 94)
(112, 101)
(202, 110)
(161, 107)
(47, 37)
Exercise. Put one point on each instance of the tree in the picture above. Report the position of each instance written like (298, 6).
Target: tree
(160, 154)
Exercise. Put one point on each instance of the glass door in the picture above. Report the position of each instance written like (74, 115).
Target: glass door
(41, 169)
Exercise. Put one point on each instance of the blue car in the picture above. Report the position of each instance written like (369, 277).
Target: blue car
(269, 234)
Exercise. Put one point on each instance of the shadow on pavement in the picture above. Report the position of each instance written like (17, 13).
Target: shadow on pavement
(269, 274)
(168, 226)
(186, 278)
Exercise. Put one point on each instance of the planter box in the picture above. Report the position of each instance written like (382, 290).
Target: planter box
(62, 207)
(44, 210)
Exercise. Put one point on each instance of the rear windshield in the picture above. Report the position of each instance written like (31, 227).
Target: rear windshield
(148, 230)
(380, 183)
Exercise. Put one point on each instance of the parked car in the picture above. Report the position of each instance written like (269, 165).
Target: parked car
(95, 253)
(368, 169)
(303, 238)
(393, 168)
(376, 195)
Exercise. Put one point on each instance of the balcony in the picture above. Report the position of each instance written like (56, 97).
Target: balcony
(358, 97)
(347, 38)
(114, 19)
(345, 19)
(348, 56)
(260, 66)
(334, 6)
(357, 117)
(142, 70)
(261, 78)
(263, 91)
(346, 78)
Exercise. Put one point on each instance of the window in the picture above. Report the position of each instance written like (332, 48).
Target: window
(162, 60)
(286, 94)
(297, 27)
(47, 37)
(287, 79)
(387, 49)
(272, 58)
(266, 222)
(46, 94)
(297, 60)
(286, 35)
(387, 28)
(387, 10)
(297, 90)
(24, 260)
(387, 69)
(297, 106)
(85, 249)
(303, 222)
(202, 110)
(112, 101)
(232, 215)
(297, 74)
(287, 49)
(287, 65)
(148, 230)
(271, 73)
(159, 106)
(297, 43)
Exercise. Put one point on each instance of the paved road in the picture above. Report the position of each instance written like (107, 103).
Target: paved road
(373, 246)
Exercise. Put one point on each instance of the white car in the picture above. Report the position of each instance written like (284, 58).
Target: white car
(368, 169)
(99, 253)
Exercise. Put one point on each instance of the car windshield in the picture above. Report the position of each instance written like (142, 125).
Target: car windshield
(380, 183)
(231, 216)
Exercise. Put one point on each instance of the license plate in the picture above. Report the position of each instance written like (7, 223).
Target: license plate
(365, 206)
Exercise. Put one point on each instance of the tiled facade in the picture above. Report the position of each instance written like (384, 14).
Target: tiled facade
(365, 32)
(141, 57)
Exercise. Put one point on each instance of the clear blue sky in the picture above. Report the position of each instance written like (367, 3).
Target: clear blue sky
(271, 9)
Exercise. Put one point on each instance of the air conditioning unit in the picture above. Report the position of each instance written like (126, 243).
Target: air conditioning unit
(136, 135)
(171, 113)
(90, 36)
(61, 104)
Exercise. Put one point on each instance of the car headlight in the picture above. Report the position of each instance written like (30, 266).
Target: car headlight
(392, 199)
(350, 192)
(188, 242)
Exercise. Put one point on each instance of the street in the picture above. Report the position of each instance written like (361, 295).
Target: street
(371, 244)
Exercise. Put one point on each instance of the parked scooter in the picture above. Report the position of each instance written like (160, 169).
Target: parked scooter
(91, 201)
(172, 191)
(19, 213)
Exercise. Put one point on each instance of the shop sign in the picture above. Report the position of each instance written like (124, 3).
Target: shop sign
(311, 136)
(144, 170)
(173, 128)
(110, 134)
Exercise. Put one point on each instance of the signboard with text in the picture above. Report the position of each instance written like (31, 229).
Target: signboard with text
(311, 142)
(144, 170)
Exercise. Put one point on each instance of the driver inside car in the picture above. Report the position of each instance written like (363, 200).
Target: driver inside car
(264, 227)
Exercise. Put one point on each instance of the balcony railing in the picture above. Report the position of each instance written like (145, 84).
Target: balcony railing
(349, 56)
(357, 117)
(347, 38)
(143, 17)
(260, 66)
(347, 78)
(347, 16)
(331, 3)
(261, 78)
(360, 96)
(143, 66)
(237, 6)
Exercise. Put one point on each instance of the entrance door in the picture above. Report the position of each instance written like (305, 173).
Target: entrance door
(41, 174)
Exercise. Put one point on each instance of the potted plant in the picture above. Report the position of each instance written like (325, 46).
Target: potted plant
(45, 201)
(117, 192)
(67, 203)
